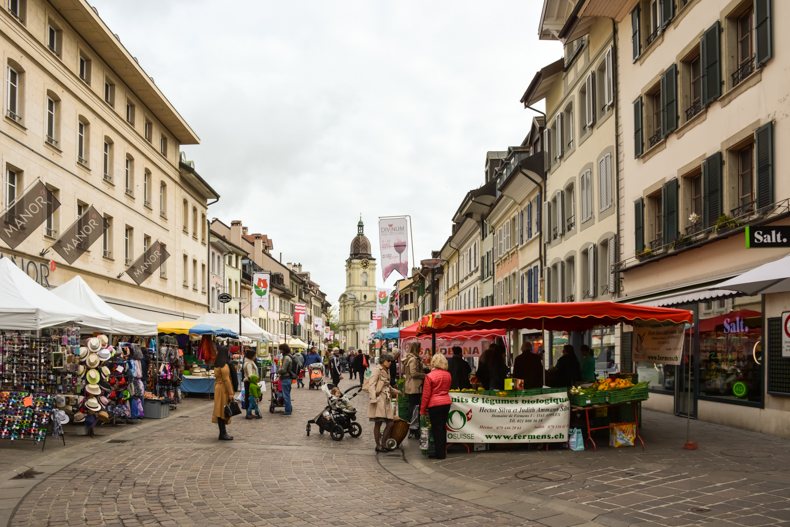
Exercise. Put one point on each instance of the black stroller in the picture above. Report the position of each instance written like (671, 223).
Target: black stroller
(338, 417)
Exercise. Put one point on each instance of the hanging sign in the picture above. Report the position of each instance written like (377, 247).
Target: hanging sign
(224, 298)
(260, 291)
(300, 310)
(382, 302)
(27, 213)
(659, 344)
(542, 418)
(78, 238)
(394, 246)
(148, 263)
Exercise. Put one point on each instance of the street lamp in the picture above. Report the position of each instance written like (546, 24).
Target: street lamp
(432, 264)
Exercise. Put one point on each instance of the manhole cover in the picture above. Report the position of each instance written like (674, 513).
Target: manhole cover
(28, 474)
(699, 509)
(118, 441)
(744, 453)
(549, 476)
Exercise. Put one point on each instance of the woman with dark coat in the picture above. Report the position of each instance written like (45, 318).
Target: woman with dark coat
(224, 389)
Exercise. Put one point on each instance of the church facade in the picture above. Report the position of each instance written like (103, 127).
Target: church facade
(358, 301)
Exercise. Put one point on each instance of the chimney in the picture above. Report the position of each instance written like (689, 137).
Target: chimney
(235, 232)
(244, 231)
(258, 243)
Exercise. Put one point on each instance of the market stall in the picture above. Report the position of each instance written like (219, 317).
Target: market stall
(544, 415)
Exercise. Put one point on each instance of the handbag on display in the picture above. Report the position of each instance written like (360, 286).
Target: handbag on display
(231, 409)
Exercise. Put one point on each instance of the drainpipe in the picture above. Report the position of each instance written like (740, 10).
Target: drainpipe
(615, 76)
(208, 257)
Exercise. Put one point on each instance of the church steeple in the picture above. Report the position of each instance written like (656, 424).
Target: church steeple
(360, 245)
(360, 227)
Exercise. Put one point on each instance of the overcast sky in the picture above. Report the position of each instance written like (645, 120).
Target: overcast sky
(312, 112)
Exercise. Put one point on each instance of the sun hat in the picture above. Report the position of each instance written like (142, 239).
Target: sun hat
(103, 340)
(93, 361)
(104, 354)
(60, 401)
(94, 344)
(79, 417)
(104, 401)
(81, 370)
(92, 404)
(93, 376)
(61, 417)
(83, 353)
(93, 389)
(105, 372)
(103, 416)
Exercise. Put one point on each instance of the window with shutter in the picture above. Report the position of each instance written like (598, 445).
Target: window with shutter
(711, 183)
(764, 147)
(538, 219)
(589, 105)
(638, 139)
(592, 270)
(560, 213)
(535, 284)
(547, 231)
(670, 202)
(764, 37)
(608, 85)
(639, 225)
(547, 149)
(529, 220)
(667, 12)
(612, 254)
(669, 102)
(636, 44)
(558, 132)
(711, 64)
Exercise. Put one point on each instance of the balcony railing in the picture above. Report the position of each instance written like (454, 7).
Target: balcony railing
(744, 70)
(694, 109)
(654, 35)
(569, 223)
(657, 242)
(745, 209)
(655, 138)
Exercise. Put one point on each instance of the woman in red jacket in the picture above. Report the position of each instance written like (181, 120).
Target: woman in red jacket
(436, 402)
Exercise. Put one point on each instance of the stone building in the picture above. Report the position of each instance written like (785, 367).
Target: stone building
(358, 301)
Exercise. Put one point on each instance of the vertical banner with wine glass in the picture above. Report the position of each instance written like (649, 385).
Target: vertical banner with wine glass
(394, 245)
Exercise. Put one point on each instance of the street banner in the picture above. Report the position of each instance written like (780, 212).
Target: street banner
(318, 325)
(382, 302)
(148, 263)
(394, 246)
(396, 307)
(78, 238)
(474, 418)
(300, 310)
(472, 348)
(659, 344)
(27, 214)
(260, 291)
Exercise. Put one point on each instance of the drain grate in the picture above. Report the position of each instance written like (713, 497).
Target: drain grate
(117, 441)
(28, 474)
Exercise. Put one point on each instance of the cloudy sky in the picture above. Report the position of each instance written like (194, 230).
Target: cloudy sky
(313, 112)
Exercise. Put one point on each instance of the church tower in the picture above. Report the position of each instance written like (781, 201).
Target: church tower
(359, 298)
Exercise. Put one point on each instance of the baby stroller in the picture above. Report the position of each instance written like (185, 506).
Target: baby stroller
(338, 417)
(277, 400)
(316, 375)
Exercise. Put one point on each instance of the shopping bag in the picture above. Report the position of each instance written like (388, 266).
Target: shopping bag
(622, 434)
(576, 440)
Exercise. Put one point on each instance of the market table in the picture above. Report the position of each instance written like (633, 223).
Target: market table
(608, 407)
(190, 384)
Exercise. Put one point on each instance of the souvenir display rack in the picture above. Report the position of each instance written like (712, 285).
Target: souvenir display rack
(27, 417)
(166, 368)
(44, 364)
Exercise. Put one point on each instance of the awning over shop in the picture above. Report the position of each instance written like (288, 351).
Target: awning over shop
(229, 320)
(175, 327)
(564, 316)
(79, 293)
(699, 294)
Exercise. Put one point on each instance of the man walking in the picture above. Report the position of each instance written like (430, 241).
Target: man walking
(361, 364)
(299, 358)
(334, 367)
(287, 374)
(351, 369)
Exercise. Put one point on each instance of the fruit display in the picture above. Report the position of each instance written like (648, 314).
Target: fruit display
(612, 384)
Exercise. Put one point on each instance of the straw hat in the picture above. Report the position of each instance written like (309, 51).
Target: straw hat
(81, 370)
(92, 404)
(103, 416)
(93, 389)
(79, 417)
(93, 376)
(105, 372)
(103, 340)
(104, 354)
(94, 344)
(83, 353)
(92, 361)
(61, 417)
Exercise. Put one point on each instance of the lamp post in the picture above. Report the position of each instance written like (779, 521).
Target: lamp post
(432, 264)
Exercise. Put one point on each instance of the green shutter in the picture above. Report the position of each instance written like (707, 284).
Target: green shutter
(711, 191)
(669, 100)
(635, 38)
(669, 200)
(639, 225)
(667, 12)
(638, 141)
(711, 64)
(762, 19)
(764, 147)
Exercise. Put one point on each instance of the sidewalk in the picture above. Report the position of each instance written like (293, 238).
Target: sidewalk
(735, 478)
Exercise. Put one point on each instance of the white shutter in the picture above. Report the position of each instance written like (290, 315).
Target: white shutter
(546, 219)
(591, 281)
(560, 212)
(608, 91)
(590, 101)
(559, 138)
(561, 283)
(547, 284)
(612, 263)
(520, 227)
(546, 149)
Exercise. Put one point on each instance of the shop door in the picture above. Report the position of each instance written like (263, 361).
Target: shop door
(686, 379)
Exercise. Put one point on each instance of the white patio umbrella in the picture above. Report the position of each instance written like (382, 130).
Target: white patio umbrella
(772, 277)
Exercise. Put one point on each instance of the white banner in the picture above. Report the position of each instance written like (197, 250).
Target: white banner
(660, 344)
(394, 246)
(260, 291)
(382, 302)
(318, 325)
(477, 418)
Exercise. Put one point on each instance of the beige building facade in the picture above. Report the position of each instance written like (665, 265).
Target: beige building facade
(82, 116)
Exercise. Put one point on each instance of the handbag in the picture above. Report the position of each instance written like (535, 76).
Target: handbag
(231, 409)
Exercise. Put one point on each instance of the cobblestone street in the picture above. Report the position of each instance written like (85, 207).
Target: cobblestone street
(175, 472)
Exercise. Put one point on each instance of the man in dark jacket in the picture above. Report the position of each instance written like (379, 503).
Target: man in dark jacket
(528, 367)
(459, 370)
(334, 366)
(568, 370)
(360, 365)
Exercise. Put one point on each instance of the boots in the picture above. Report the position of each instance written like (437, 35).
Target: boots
(223, 433)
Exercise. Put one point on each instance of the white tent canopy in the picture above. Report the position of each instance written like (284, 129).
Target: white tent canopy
(26, 306)
(296, 343)
(772, 277)
(229, 320)
(79, 293)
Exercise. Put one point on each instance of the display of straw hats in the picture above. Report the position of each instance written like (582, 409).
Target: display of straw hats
(79, 417)
(103, 340)
(105, 372)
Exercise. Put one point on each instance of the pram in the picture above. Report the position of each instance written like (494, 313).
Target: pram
(277, 400)
(316, 371)
(338, 417)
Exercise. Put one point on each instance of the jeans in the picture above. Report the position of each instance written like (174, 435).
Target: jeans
(286, 384)
(252, 406)
(438, 415)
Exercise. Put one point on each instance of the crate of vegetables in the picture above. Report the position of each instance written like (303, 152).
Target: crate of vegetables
(637, 392)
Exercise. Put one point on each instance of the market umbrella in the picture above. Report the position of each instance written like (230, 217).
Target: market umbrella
(176, 327)
(208, 329)
(564, 316)
(387, 334)
(773, 277)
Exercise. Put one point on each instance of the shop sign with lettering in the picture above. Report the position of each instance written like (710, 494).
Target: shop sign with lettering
(767, 237)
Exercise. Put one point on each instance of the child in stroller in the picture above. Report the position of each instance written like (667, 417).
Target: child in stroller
(338, 417)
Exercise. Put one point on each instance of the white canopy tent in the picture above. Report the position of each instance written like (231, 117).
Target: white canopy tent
(79, 293)
(229, 320)
(772, 277)
(296, 343)
(26, 306)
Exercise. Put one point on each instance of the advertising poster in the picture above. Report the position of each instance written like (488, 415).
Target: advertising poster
(474, 418)
(260, 291)
(382, 302)
(659, 344)
(394, 246)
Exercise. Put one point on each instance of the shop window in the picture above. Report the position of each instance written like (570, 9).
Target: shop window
(727, 339)
(603, 349)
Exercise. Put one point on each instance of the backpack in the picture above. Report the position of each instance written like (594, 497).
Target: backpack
(294, 369)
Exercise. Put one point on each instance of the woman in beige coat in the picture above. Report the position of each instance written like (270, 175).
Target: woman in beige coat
(223, 392)
(414, 376)
(380, 409)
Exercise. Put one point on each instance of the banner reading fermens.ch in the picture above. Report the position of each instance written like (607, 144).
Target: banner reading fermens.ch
(148, 263)
(543, 418)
